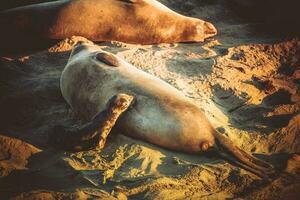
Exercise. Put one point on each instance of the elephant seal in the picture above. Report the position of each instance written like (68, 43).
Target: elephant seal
(130, 21)
(159, 113)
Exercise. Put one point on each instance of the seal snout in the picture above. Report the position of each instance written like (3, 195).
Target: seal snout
(209, 29)
(202, 30)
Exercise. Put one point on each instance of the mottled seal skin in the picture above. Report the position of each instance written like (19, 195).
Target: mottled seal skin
(160, 114)
(130, 21)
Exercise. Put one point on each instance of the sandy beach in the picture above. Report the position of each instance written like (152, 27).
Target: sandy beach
(246, 81)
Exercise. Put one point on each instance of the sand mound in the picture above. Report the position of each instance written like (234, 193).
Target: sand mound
(246, 82)
(14, 154)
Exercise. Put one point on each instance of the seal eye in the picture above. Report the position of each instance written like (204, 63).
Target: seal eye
(108, 59)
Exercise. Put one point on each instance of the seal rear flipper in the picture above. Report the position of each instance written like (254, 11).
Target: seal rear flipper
(94, 133)
(239, 157)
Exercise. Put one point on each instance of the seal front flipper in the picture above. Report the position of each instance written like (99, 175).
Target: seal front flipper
(94, 133)
(117, 105)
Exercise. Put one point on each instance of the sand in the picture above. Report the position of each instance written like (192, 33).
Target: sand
(245, 81)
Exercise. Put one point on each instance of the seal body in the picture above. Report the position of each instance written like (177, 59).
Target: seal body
(131, 21)
(161, 114)
(158, 113)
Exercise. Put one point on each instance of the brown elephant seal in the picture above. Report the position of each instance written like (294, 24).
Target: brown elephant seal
(159, 114)
(130, 21)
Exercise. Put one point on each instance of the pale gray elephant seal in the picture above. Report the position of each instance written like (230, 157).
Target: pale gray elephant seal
(159, 114)
(130, 21)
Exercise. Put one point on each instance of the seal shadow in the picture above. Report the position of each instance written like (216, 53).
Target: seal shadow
(30, 95)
